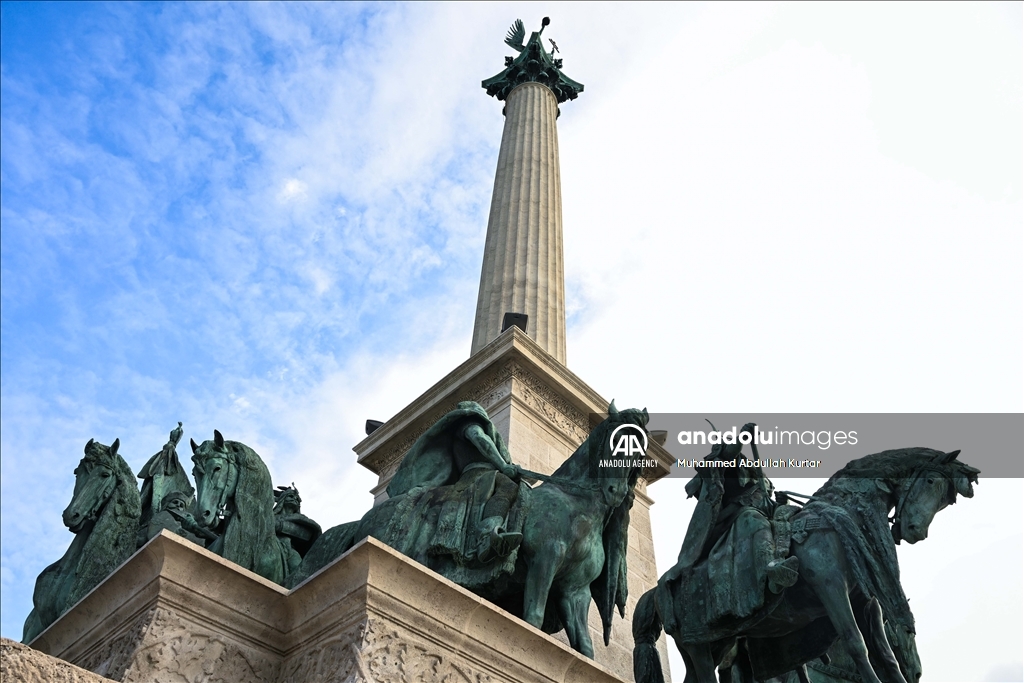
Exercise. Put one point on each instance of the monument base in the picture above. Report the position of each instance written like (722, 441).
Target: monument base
(175, 612)
(22, 664)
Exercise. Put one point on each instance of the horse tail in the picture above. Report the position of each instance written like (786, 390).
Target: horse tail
(646, 631)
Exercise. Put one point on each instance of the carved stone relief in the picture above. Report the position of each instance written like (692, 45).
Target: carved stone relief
(114, 657)
(163, 648)
(374, 653)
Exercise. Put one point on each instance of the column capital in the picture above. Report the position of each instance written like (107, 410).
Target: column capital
(533, 65)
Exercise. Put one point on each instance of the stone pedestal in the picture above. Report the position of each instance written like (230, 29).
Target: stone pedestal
(543, 412)
(176, 613)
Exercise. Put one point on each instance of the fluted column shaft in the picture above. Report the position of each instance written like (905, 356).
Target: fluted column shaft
(522, 270)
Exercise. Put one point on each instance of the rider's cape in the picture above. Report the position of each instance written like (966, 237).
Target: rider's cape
(721, 570)
(429, 463)
(447, 539)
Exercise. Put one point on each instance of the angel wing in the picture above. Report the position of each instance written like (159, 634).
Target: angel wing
(515, 36)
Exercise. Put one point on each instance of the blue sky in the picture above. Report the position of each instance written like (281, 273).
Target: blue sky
(268, 219)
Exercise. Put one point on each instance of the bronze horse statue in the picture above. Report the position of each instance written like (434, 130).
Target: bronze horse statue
(575, 534)
(104, 516)
(835, 666)
(235, 500)
(848, 577)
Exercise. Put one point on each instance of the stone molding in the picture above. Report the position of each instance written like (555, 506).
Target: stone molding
(539, 382)
(525, 386)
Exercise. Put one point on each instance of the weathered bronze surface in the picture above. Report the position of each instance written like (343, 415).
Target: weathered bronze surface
(235, 500)
(161, 476)
(459, 506)
(104, 517)
(295, 531)
(767, 587)
(533, 65)
(835, 666)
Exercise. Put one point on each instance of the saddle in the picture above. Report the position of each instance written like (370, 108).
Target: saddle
(449, 547)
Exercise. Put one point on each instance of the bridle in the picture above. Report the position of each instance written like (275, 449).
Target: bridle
(895, 521)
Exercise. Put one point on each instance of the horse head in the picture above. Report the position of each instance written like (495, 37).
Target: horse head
(904, 645)
(216, 473)
(96, 477)
(621, 436)
(932, 486)
(233, 484)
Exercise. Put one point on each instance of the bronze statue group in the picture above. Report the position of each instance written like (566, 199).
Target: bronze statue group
(765, 588)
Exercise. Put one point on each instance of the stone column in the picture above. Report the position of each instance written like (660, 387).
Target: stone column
(522, 270)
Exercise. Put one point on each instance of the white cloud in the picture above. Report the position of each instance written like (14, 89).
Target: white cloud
(293, 189)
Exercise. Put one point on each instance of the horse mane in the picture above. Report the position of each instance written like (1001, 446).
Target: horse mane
(112, 540)
(895, 465)
(250, 537)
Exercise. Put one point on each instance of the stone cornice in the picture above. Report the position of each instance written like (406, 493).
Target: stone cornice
(543, 385)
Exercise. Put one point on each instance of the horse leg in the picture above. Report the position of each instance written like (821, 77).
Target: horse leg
(725, 664)
(823, 566)
(540, 574)
(703, 664)
(872, 624)
(574, 608)
(726, 653)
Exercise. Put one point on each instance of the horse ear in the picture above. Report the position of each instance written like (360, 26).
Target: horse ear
(88, 444)
(951, 456)
(612, 410)
(114, 446)
(218, 439)
(195, 446)
(883, 486)
(647, 416)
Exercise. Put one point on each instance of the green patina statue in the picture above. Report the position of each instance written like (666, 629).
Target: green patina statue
(464, 450)
(162, 475)
(770, 587)
(533, 65)
(104, 516)
(235, 501)
(295, 531)
(835, 666)
(175, 516)
(457, 504)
